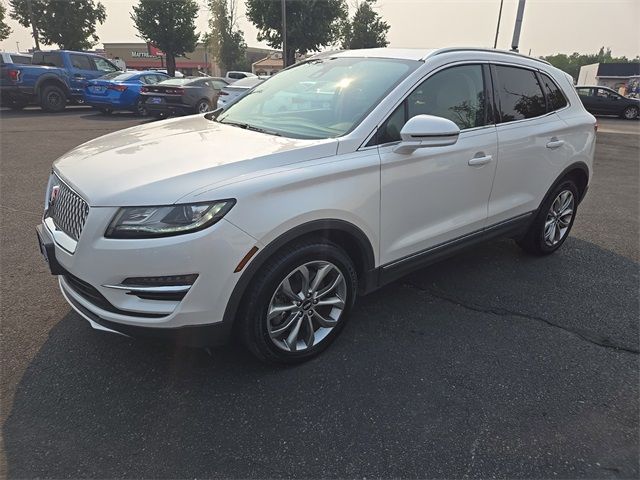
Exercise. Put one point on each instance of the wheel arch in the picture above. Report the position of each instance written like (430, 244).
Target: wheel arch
(344, 234)
(47, 80)
(579, 173)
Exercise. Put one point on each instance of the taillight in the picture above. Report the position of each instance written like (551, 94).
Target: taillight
(14, 75)
(223, 93)
(144, 89)
(174, 91)
(117, 88)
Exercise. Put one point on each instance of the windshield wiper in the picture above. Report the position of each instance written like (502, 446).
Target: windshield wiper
(253, 128)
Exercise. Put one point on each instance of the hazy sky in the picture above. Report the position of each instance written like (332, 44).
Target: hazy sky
(550, 26)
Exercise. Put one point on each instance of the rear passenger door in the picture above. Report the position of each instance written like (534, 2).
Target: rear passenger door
(531, 143)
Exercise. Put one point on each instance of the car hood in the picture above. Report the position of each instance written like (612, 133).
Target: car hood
(161, 162)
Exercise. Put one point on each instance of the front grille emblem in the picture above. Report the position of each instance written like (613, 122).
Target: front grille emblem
(53, 195)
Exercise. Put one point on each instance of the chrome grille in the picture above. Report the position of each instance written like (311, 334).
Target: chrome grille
(69, 211)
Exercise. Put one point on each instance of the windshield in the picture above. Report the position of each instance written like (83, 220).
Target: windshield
(118, 76)
(319, 99)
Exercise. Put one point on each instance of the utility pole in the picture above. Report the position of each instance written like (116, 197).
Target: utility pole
(284, 34)
(516, 30)
(34, 31)
(495, 42)
(18, 47)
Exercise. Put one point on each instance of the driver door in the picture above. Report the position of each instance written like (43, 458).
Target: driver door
(437, 195)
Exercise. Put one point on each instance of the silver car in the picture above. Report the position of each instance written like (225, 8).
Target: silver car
(238, 89)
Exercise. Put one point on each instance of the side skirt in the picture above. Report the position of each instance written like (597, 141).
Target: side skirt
(389, 272)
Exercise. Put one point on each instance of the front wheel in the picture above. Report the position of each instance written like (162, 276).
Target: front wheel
(298, 302)
(553, 222)
(630, 113)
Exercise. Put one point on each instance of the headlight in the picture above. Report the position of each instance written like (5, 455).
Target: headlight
(165, 221)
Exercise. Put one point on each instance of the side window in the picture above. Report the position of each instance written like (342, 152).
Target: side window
(456, 93)
(519, 93)
(103, 65)
(584, 92)
(51, 59)
(81, 62)
(607, 94)
(218, 84)
(235, 75)
(555, 97)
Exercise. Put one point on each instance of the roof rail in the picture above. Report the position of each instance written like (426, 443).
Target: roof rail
(480, 49)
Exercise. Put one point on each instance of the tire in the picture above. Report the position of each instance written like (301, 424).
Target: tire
(269, 339)
(141, 111)
(53, 99)
(553, 223)
(203, 106)
(630, 113)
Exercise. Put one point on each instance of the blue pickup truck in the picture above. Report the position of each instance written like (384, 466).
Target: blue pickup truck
(53, 80)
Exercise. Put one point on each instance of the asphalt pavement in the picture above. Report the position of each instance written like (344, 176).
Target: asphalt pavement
(490, 364)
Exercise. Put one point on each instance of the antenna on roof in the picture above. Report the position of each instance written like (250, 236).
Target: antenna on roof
(516, 30)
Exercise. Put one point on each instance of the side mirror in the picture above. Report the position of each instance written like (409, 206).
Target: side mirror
(427, 131)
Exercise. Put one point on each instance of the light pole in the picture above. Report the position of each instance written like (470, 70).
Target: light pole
(18, 47)
(495, 42)
(284, 34)
(516, 30)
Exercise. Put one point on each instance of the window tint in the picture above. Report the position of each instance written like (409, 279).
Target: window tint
(20, 59)
(456, 93)
(555, 97)
(103, 65)
(48, 59)
(608, 94)
(235, 75)
(81, 62)
(519, 94)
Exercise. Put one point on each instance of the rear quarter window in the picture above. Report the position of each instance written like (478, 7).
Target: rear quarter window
(555, 98)
(519, 94)
(20, 59)
(48, 59)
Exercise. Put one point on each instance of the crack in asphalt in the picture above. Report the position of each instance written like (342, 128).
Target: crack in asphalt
(586, 335)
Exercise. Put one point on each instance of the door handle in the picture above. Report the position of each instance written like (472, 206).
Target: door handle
(477, 161)
(555, 143)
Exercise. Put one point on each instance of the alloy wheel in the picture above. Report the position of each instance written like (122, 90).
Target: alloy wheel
(631, 113)
(559, 218)
(306, 306)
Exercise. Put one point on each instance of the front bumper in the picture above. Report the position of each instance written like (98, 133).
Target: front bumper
(96, 261)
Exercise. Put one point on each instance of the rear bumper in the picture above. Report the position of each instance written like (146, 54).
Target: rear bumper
(16, 93)
(169, 108)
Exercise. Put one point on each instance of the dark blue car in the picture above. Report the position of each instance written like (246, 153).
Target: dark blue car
(120, 90)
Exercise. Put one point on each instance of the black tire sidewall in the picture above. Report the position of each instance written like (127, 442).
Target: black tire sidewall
(267, 280)
(629, 109)
(200, 102)
(44, 103)
(542, 216)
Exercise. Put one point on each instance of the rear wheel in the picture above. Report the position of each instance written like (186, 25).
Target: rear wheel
(298, 303)
(140, 108)
(553, 223)
(630, 113)
(203, 106)
(53, 99)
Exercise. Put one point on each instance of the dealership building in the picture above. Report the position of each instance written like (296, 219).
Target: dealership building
(612, 75)
(142, 56)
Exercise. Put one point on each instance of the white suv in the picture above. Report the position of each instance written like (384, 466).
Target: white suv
(330, 179)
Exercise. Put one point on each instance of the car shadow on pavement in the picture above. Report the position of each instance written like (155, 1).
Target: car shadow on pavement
(493, 363)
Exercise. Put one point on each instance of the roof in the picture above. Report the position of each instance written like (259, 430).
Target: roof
(618, 69)
(417, 53)
(268, 62)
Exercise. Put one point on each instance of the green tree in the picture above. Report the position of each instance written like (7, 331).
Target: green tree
(5, 30)
(366, 29)
(70, 24)
(572, 63)
(169, 25)
(226, 40)
(311, 24)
